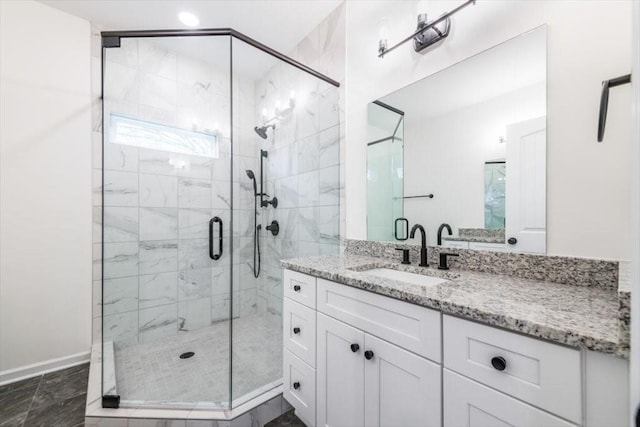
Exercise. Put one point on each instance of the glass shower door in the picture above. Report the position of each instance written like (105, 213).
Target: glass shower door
(166, 205)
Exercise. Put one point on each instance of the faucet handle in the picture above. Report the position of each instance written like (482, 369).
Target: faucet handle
(405, 255)
(443, 260)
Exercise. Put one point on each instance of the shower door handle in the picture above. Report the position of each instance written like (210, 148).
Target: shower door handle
(220, 241)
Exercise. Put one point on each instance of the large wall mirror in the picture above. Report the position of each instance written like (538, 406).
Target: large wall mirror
(465, 150)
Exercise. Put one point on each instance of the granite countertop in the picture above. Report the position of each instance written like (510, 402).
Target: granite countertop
(580, 316)
(479, 239)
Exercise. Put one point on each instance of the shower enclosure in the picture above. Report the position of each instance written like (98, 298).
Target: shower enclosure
(220, 158)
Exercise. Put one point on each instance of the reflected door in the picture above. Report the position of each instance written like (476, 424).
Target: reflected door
(525, 224)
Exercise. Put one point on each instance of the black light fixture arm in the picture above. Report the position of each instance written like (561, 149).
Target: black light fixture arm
(383, 50)
(604, 101)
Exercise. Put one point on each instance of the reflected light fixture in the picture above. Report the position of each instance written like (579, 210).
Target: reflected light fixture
(188, 19)
(427, 33)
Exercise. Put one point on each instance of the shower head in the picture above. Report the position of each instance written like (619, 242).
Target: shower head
(262, 130)
(252, 177)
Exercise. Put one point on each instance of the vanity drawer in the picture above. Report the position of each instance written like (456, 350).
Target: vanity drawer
(543, 374)
(470, 404)
(299, 333)
(300, 287)
(412, 327)
(300, 387)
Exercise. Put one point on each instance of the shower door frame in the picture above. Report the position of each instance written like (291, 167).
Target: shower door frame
(112, 39)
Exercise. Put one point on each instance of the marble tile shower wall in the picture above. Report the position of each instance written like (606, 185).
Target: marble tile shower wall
(305, 158)
(324, 50)
(158, 278)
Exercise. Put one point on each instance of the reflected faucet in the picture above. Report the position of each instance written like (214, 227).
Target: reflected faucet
(442, 227)
(423, 249)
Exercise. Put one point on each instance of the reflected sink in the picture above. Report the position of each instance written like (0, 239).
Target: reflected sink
(403, 276)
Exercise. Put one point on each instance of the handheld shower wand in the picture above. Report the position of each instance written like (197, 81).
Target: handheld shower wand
(256, 227)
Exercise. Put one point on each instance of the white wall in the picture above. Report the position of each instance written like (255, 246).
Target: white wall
(451, 164)
(634, 379)
(588, 183)
(45, 187)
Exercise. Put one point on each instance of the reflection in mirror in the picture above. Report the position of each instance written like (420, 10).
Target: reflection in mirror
(384, 172)
(474, 137)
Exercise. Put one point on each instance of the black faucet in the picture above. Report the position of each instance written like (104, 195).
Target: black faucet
(442, 227)
(423, 250)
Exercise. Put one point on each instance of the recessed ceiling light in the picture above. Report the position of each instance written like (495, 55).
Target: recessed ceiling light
(188, 19)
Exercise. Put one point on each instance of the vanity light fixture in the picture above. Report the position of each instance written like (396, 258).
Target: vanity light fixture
(427, 33)
(188, 19)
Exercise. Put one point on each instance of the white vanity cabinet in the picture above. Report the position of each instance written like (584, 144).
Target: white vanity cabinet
(356, 358)
(365, 381)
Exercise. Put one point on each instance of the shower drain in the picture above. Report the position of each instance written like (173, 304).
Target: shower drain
(187, 355)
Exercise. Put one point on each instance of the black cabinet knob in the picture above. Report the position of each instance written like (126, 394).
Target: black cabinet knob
(296, 330)
(355, 347)
(368, 354)
(296, 385)
(512, 241)
(499, 363)
(296, 288)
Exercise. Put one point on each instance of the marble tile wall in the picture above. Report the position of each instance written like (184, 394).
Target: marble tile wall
(305, 163)
(159, 279)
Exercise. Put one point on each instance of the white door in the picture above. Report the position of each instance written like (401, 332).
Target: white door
(340, 380)
(401, 389)
(525, 191)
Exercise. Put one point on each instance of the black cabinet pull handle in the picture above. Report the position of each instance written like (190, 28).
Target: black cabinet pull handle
(212, 255)
(499, 363)
(368, 354)
(296, 288)
(296, 385)
(512, 241)
(355, 347)
(296, 330)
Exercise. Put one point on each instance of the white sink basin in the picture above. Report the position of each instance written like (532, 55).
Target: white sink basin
(403, 276)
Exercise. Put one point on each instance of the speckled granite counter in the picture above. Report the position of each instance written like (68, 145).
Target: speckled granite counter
(581, 316)
(479, 239)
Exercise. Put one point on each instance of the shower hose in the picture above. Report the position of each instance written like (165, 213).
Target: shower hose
(256, 239)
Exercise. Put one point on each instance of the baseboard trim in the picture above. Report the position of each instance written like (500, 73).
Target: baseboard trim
(22, 373)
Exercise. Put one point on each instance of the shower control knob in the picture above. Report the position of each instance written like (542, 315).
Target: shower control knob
(499, 363)
(355, 347)
(296, 330)
(296, 288)
(368, 354)
(296, 385)
(512, 241)
(274, 228)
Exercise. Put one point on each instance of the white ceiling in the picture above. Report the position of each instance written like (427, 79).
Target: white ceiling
(512, 65)
(280, 24)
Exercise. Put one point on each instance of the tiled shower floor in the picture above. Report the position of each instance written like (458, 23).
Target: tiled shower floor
(154, 371)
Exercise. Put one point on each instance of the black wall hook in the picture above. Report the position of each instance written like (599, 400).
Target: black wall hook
(604, 101)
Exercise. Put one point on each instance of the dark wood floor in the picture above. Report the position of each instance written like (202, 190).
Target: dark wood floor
(52, 400)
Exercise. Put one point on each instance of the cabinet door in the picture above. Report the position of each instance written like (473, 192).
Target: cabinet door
(340, 381)
(470, 404)
(401, 389)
